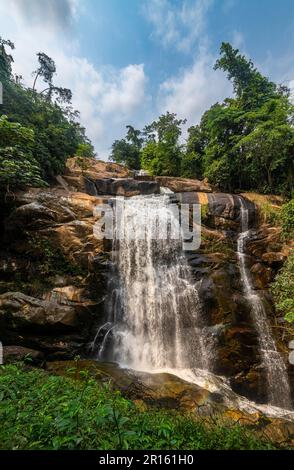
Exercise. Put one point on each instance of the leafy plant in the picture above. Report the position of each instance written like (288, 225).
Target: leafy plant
(287, 219)
(41, 411)
(283, 289)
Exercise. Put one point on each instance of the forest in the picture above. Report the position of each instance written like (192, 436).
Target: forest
(244, 143)
(38, 130)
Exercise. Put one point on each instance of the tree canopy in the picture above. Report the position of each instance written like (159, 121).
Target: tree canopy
(245, 142)
(38, 130)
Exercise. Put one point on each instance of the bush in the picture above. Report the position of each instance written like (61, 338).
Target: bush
(287, 219)
(283, 289)
(40, 411)
(18, 167)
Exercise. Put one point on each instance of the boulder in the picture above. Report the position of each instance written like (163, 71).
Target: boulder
(59, 325)
(179, 185)
(20, 353)
(167, 391)
(18, 311)
(126, 187)
(94, 169)
(274, 258)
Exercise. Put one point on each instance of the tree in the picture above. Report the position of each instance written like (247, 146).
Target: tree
(133, 136)
(249, 85)
(192, 159)
(5, 59)
(248, 140)
(85, 150)
(127, 151)
(56, 131)
(18, 167)
(126, 154)
(46, 70)
(162, 153)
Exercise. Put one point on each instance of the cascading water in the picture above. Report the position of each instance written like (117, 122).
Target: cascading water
(155, 317)
(276, 373)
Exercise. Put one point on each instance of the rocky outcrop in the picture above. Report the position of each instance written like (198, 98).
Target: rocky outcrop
(52, 326)
(164, 390)
(125, 187)
(180, 185)
(53, 272)
(103, 178)
(19, 353)
(215, 268)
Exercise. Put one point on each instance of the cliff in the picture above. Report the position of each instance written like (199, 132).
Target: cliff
(54, 272)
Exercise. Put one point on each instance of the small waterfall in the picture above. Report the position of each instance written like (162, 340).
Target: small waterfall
(154, 311)
(276, 373)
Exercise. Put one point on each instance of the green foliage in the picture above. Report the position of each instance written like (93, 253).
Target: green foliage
(51, 260)
(287, 219)
(127, 151)
(270, 214)
(18, 167)
(40, 130)
(160, 159)
(126, 154)
(249, 139)
(249, 85)
(38, 411)
(85, 150)
(204, 212)
(162, 153)
(283, 289)
(192, 158)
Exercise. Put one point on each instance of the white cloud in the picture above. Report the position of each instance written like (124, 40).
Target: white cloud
(107, 98)
(177, 25)
(194, 89)
(54, 14)
(238, 40)
(126, 92)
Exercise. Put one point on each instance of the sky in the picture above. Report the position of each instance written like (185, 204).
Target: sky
(128, 61)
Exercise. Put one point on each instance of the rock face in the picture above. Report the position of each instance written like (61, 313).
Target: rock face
(54, 272)
(19, 353)
(125, 187)
(179, 185)
(215, 267)
(168, 391)
(103, 178)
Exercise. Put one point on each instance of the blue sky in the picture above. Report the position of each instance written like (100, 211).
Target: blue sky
(127, 61)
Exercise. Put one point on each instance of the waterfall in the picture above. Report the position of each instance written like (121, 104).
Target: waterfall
(154, 311)
(276, 373)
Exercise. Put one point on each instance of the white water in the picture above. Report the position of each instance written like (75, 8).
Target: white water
(276, 374)
(155, 320)
(155, 313)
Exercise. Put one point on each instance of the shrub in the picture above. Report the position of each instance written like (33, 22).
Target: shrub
(283, 289)
(287, 219)
(40, 411)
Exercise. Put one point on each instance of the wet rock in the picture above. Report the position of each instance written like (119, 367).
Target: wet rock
(20, 353)
(274, 258)
(159, 389)
(59, 326)
(164, 390)
(179, 185)
(18, 311)
(261, 275)
(126, 187)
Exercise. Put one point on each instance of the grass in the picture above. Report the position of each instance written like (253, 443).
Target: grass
(41, 411)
